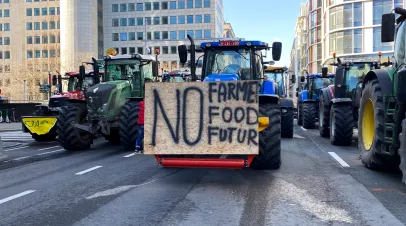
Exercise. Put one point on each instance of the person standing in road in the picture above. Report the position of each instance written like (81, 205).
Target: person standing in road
(140, 136)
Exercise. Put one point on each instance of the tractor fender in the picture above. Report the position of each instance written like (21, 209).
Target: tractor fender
(341, 101)
(326, 93)
(303, 96)
(385, 81)
(269, 98)
(287, 103)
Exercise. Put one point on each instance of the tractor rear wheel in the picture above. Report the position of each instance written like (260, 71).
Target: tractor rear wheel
(299, 113)
(129, 124)
(324, 118)
(287, 124)
(341, 125)
(402, 151)
(269, 139)
(70, 137)
(371, 125)
(309, 115)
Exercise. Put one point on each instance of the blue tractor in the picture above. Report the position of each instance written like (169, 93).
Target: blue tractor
(308, 97)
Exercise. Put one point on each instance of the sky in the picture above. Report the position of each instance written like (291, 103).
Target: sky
(265, 20)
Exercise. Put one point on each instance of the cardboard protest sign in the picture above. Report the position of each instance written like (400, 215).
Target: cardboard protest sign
(201, 118)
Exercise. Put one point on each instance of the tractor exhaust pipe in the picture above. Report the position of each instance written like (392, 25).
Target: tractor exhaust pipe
(192, 58)
(96, 73)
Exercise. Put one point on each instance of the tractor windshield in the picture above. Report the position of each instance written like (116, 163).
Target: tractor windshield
(229, 61)
(355, 72)
(122, 69)
(73, 83)
(320, 83)
(278, 79)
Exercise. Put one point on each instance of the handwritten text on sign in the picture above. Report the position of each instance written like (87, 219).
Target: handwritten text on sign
(201, 118)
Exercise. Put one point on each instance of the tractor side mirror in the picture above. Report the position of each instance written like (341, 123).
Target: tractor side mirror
(82, 72)
(388, 27)
(54, 80)
(182, 51)
(276, 51)
(293, 79)
(302, 79)
(324, 72)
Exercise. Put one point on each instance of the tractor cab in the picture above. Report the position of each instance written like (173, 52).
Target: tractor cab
(277, 76)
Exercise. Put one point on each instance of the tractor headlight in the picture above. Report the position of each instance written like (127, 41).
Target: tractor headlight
(284, 110)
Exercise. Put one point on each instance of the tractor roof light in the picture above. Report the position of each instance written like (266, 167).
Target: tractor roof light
(208, 44)
(107, 57)
(136, 56)
(249, 43)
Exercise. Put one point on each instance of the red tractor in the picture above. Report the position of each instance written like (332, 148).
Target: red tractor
(41, 125)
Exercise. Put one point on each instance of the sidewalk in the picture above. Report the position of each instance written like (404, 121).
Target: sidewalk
(14, 126)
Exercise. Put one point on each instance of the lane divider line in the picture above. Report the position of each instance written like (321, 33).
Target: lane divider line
(49, 152)
(130, 155)
(43, 149)
(16, 196)
(12, 149)
(30, 156)
(88, 170)
(338, 159)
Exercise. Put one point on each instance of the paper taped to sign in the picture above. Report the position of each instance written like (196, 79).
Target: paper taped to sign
(201, 118)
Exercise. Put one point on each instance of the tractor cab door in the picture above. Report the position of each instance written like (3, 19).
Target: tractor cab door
(339, 82)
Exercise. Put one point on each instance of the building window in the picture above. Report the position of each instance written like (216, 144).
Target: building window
(164, 20)
(172, 19)
(181, 19)
(148, 20)
(7, 55)
(348, 41)
(165, 50)
(198, 34)
(115, 8)
(156, 5)
(174, 50)
(123, 7)
(148, 6)
(207, 18)
(358, 14)
(172, 5)
(140, 35)
(44, 11)
(123, 36)
(29, 39)
(29, 26)
(198, 3)
(378, 45)
(131, 7)
(131, 36)
(29, 53)
(358, 41)
(44, 25)
(44, 39)
(199, 19)
(6, 41)
(149, 35)
(173, 35)
(37, 40)
(36, 12)
(140, 21)
(140, 50)
(124, 50)
(157, 35)
(37, 26)
(181, 4)
(52, 39)
(181, 35)
(52, 11)
(115, 36)
(140, 7)
(6, 13)
(132, 50)
(191, 33)
(28, 12)
(1, 27)
(189, 4)
(44, 53)
(52, 25)
(52, 53)
(381, 7)
(131, 21)
(190, 19)
(6, 27)
(115, 22)
(123, 22)
(165, 35)
(37, 54)
(164, 5)
(156, 20)
(206, 3)
(207, 33)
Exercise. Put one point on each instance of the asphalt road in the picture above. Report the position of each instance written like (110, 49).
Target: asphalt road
(40, 184)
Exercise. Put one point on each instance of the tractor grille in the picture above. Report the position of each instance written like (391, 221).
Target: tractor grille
(97, 97)
(57, 102)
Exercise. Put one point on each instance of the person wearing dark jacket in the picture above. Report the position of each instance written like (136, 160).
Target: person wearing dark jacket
(140, 128)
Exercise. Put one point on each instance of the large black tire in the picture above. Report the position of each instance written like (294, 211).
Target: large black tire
(299, 113)
(341, 124)
(287, 124)
(129, 124)
(69, 137)
(269, 139)
(324, 117)
(309, 115)
(402, 151)
(371, 152)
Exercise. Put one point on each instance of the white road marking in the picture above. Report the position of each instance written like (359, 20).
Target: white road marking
(12, 149)
(130, 155)
(16, 196)
(298, 136)
(30, 156)
(88, 170)
(43, 149)
(117, 190)
(303, 128)
(338, 159)
(49, 152)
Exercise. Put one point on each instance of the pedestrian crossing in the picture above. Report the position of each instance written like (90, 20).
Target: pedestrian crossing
(16, 136)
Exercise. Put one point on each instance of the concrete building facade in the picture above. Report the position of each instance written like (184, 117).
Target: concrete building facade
(139, 26)
(228, 31)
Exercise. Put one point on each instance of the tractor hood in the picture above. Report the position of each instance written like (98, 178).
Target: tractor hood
(221, 77)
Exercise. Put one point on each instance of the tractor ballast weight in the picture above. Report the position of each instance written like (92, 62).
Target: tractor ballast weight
(278, 81)
(381, 121)
(269, 104)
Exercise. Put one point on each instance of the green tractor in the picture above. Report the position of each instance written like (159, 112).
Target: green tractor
(339, 103)
(381, 122)
(112, 106)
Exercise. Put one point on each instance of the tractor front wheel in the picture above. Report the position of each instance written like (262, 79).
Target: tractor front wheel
(129, 124)
(299, 113)
(371, 125)
(309, 115)
(402, 151)
(70, 137)
(269, 139)
(324, 118)
(287, 123)
(341, 125)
